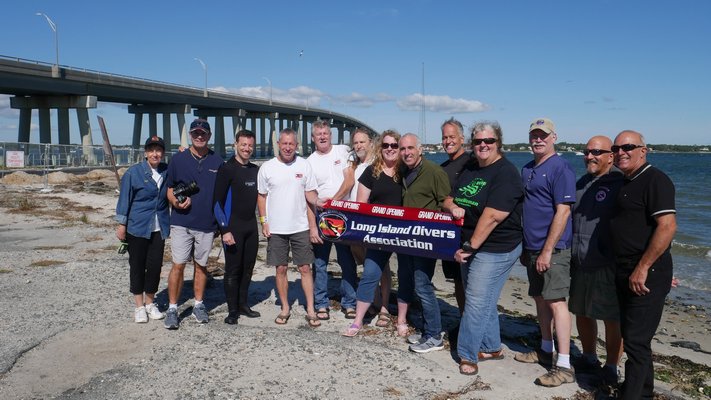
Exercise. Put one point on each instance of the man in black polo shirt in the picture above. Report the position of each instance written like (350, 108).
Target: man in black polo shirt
(642, 229)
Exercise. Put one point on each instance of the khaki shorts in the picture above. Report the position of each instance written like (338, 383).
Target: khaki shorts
(302, 252)
(190, 245)
(593, 293)
(555, 282)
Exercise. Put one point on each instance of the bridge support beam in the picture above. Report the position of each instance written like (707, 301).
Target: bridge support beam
(166, 110)
(43, 104)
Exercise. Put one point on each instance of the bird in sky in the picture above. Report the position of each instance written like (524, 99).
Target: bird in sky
(301, 53)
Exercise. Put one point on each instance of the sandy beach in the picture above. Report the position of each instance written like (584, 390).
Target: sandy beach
(68, 328)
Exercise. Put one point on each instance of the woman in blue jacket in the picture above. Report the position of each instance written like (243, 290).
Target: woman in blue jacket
(144, 224)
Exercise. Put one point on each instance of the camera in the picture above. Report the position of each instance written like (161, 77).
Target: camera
(123, 247)
(181, 191)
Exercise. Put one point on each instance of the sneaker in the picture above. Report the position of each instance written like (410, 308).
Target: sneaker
(171, 319)
(415, 338)
(430, 344)
(140, 315)
(153, 311)
(557, 376)
(609, 375)
(536, 356)
(200, 313)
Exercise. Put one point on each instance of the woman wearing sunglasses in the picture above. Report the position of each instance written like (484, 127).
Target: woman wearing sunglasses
(380, 184)
(489, 197)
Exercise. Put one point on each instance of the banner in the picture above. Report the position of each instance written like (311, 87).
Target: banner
(404, 230)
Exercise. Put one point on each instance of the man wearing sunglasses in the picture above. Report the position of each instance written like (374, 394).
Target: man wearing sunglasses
(192, 224)
(642, 232)
(549, 191)
(593, 296)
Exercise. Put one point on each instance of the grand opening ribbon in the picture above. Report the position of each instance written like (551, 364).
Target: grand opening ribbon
(404, 230)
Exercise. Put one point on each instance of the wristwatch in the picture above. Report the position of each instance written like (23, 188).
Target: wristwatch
(467, 247)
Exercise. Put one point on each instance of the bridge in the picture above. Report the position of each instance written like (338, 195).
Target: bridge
(43, 86)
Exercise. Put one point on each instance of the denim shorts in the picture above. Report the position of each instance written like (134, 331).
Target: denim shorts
(278, 245)
(553, 283)
(188, 244)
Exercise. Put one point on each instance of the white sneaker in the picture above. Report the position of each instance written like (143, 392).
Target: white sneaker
(153, 311)
(140, 315)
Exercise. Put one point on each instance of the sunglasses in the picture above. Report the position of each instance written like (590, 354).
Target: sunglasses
(198, 133)
(625, 147)
(595, 152)
(539, 135)
(489, 140)
(390, 145)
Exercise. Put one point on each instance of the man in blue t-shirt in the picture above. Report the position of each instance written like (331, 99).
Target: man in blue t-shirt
(549, 191)
(192, 224)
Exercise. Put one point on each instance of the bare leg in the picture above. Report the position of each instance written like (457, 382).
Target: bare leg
(561, 316)
(307, 284)
(282, 286)
(199, 281)
(361, 309)
(150, 297)
(138, 298)
(545, 318)
(175, 282)
(587, 330)
(613, 342)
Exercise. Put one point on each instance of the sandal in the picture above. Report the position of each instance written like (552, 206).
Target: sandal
(323, 314)
(465, 363)
(383, 319)
(313, 321)
(352, 330)
(350, 313)
(402, 329)
(490, 355)
(282, 319)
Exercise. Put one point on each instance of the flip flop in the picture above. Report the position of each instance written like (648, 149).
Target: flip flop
(465, 363)
(313, 321)
(352, 330)
(282, 319)
(350, 313)
(321, 312)
(383, 319)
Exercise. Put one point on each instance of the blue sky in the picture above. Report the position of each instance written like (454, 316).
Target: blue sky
(593, 67)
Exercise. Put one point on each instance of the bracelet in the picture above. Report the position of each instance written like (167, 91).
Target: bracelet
(262, 219)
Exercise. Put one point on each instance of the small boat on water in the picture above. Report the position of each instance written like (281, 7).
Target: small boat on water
(579, 153)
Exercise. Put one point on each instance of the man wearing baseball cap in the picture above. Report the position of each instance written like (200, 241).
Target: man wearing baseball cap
(192, 224)
(549, 192)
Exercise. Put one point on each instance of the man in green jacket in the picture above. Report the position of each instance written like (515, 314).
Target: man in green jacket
(425, 185)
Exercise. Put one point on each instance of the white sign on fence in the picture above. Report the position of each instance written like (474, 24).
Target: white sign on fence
(15, 159)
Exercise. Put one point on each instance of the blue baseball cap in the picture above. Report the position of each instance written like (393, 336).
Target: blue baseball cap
(200, 125)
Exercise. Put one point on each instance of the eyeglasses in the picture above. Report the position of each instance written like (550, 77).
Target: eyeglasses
(595, 152)
(197, 133)
(489, 140)
(625, 147)
(390, 145)
(538, 135)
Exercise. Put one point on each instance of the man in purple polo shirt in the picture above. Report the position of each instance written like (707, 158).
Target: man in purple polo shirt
(549, 191)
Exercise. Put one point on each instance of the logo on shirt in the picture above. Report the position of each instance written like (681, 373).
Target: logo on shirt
(332, 224)
(601, 194)
(250, 184)
(337, 162)
(299, 175)
(473, 188)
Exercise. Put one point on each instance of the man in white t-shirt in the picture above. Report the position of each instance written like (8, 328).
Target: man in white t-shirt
(328, 163)
(285, 183)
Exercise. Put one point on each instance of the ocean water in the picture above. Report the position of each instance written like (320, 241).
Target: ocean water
(691, 248)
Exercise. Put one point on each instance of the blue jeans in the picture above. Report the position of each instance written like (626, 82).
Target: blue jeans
(348, 275)
(422, 270)
(483, 277)
(375, 262)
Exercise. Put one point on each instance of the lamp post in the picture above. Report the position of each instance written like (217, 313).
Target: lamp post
(270, 89)
(204, 68)
(53, 26)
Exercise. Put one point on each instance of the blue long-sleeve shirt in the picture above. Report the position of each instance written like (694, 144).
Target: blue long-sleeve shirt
(140, 200)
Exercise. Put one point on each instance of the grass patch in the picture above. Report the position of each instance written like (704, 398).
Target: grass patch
(5, 271)
(84, 219)
(47, 263)
(26, 204)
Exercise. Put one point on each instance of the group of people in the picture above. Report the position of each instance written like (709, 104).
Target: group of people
(602, 242)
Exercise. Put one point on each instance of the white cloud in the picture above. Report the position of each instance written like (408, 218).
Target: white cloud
(445, 104)
(5, 110)
(361, 100)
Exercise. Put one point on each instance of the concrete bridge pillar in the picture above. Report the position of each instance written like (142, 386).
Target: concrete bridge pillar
(43, 104)
(152, 125)
(166, 110)
(262, 137)
(86, 139)
(219, 132)
(166, 130)
(340, 133)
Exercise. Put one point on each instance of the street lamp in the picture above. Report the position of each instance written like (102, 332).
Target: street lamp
(55, 71)
(204, 68)
(270, 89)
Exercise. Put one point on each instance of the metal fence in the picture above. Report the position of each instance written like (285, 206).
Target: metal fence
(53, 156)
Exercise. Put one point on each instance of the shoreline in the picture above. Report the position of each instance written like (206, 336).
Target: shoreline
(60, 262)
